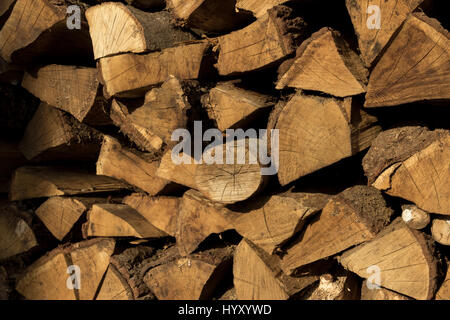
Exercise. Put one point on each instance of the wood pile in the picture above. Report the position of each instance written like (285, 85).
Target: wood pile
(95, 97)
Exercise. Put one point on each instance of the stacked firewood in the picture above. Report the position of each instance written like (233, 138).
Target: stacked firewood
(93, 95)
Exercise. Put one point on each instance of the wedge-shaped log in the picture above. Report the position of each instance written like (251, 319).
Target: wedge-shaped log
(191, 278)
(414, 166)
(59, 214)
(118, 220)
(232, 107)
(266, 41)
(270, 222)
(315, 132)
(131, 30)
(54, 135)
(199, 218)
(415, 66)
(160, 211)
(152, 124)
(69, 88)
(39, 182)
(207, 15)
(372, 38)
(16, 236)
(131, 74)
(440, 230)
(35, 28)
(123, 164)
(72, 272)
(352, 217)
(402, 256)
(257, 275)
(326, 63)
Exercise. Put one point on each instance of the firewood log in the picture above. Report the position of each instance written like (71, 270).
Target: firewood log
(414, 217)
(325, 63)
(38, 182)
(405, 259)
(150, 125)
(444, 290)
(131, 74)
(16, 236)
(207, 15)
(265, 42)
(69, 88)
(38, 27)
(190, 278)
(54, 135)
(380, 293)
(258, 7)
(118, 220)
(352, 217)
(440, 230)
(131, 30)
(257, 275)
(411, 163)
(59, 214)
(315, 132)
(415, 66)
(133, 167)
(391, 14)
(232, 107)
(73, 272)
(124, 279)
(270, 222)
(198, 218)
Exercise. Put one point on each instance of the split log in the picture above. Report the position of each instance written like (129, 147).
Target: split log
(207, 15)
(34, 31)
(414, 217)
(199, 218)
(257, 275)
(59, 214)
(53, 135)
(270, 222)
(131, 30)
(444, 291)
(152, 124)
(380, 293)
(265, 42)
(404, 257)
(39, 182)
(326, 63)
(12, 158)
(131, 74)
(391, 16)
(232, 107)
(137, 169)
(315, 132)
(118, 220)
(67, 273)
(415, 66)
(258, 7)
(412, 163)
(343, 285)
(162, 211)
(191, 278)
(352, 217)
(16, 236)
(69, 88)
(124, 279)
(440, 230)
